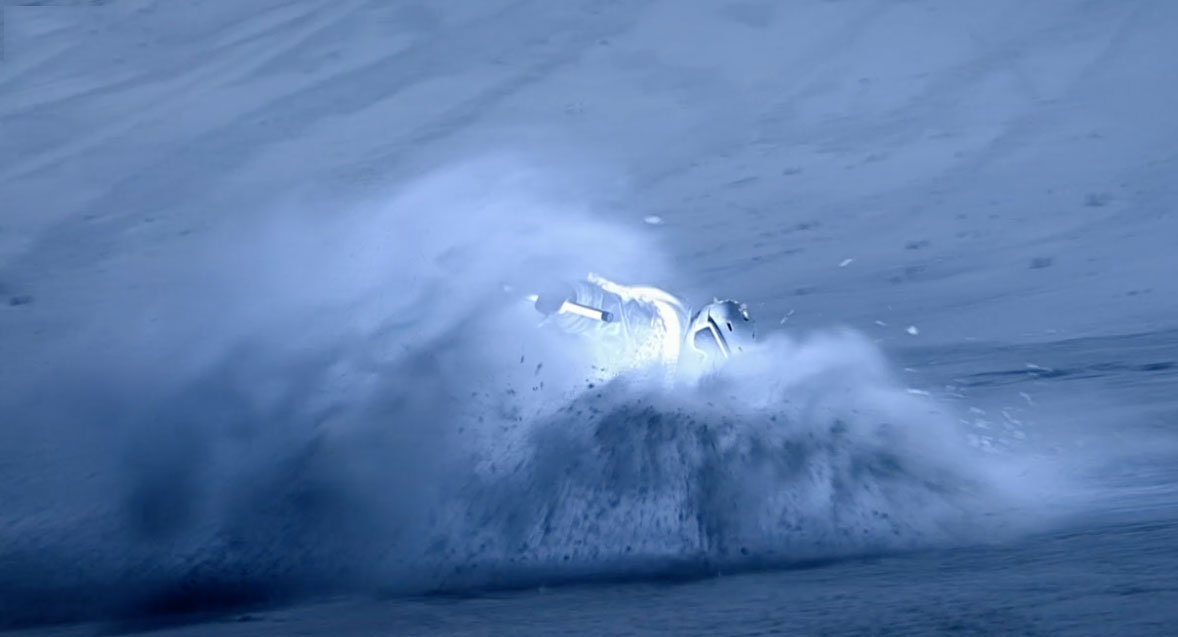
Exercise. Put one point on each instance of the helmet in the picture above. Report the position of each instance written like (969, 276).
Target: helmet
(722, 328)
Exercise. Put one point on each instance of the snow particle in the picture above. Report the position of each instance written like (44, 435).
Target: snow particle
(1097, 199)
(912, 330)
(845, 262)
(653, 220)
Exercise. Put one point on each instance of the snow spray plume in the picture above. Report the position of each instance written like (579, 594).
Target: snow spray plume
(351, 401)
(800, 451)
(275, 409)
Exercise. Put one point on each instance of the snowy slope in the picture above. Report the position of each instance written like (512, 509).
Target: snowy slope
(940, 148)
(225, 224)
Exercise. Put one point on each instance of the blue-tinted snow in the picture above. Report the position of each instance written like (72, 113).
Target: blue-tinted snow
(256, 348)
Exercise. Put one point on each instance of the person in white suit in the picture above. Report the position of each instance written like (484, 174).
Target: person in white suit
(641, 325)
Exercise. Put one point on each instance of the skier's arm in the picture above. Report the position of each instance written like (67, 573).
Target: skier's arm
(557, 303)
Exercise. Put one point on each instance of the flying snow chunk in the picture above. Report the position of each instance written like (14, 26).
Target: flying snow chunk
(846, 262)
(912, 330)
(653, 220)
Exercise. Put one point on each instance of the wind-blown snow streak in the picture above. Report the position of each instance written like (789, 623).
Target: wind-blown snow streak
(351, 401)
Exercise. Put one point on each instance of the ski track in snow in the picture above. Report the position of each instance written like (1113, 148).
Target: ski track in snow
(255, 351)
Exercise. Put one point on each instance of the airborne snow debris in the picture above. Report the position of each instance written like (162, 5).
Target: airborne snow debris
(846, 262)
(912, 330)
(653, 220)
